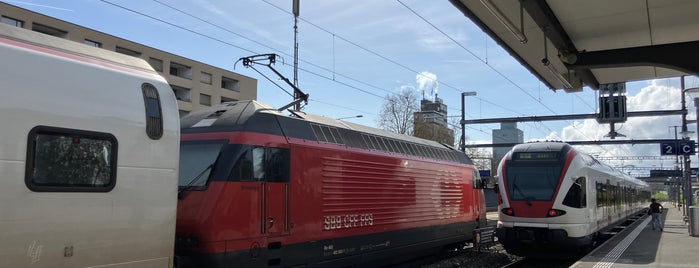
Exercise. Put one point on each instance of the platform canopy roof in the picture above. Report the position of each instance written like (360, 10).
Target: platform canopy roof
(593, 42)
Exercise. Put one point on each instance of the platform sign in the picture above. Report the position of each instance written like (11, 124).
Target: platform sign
(679, 147)
(685, 147)
(668, 148)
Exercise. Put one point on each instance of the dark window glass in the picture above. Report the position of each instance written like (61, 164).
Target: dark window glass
(393, 145)
(243, 168)
(601, 194)
(403, 147)
(532, 183)
(375, 142)
(154, 120)
(319, 133)
(328, 135)
(197, 159)
(367, 141)
(277, 165)
(336, 134)
(382, 144)
(413, 149)
(257, 163)
(577, 194)
(67, 160)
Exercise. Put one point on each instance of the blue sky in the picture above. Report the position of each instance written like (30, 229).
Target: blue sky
(352, 54)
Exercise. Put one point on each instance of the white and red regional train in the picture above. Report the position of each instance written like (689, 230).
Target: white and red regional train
(553, 197)
(91, 153)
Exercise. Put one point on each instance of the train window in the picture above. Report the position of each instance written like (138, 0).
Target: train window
(440, 154)
(443, 154)
(532, 182)
(434, 153)
(375, 142)
(389, 145)
(382, 144)
(352, 138)
(413, 149)
(154, 118)
(428, 151)
(421, 151)
(257, 163)
(336, 135)
(318, 132)
(367, 141)
(392, 145)
(69, 160)
(277, 165)
(404, 147)
(328, 135)
(577, 194)
(603, 195)
(242, 169)
(196, 161)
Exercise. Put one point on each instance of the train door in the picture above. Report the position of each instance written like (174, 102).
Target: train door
(276, 196)
(276, 191)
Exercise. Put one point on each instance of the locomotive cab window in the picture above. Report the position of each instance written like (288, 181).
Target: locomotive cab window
(197, 159)
(257, 163)
(69, 160)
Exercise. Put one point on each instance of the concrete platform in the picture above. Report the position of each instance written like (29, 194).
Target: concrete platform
(640, 246)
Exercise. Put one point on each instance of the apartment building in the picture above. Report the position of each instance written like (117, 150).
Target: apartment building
(195, 84)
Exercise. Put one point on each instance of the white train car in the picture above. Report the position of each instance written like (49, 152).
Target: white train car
(89, 144)
(553, 198)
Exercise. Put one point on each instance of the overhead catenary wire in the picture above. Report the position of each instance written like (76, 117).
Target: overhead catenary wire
(538, 100)
(249, 50)
(380, 55)
(305, 70)
(333, 71)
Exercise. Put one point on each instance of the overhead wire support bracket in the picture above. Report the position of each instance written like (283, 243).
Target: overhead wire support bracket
(268, 60)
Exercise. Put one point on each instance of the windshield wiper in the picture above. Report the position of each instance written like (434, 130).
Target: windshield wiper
(526, 198)
(191, 183)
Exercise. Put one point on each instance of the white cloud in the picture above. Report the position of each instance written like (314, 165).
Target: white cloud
(657, 95)
(427, 84)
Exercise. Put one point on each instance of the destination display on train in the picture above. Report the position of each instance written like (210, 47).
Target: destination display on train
(535, 156)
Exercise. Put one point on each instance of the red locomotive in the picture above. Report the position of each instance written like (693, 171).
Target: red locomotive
(259, 188)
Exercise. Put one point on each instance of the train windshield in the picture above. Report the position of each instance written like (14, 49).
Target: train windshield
(197, 159)
(532, 182)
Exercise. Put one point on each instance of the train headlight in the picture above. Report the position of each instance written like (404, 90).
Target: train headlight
(508, 211)
(555, 213)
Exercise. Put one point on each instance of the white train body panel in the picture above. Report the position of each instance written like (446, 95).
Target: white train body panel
(121, 219)
(550, 196)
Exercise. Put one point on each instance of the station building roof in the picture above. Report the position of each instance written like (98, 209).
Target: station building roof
(593, 42)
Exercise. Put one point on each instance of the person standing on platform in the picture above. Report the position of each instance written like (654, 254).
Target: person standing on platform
(654, 211)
